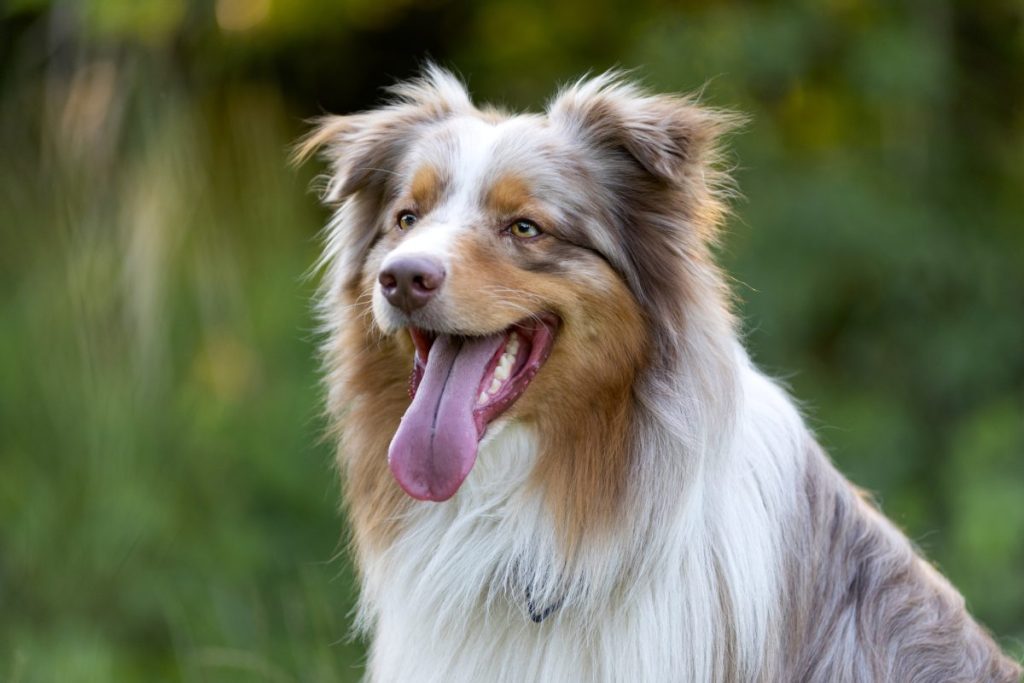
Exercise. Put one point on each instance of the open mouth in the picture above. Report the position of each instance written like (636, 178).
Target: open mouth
(459, 385)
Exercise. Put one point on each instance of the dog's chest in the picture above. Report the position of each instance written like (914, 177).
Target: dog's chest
(451, 599)
(447, 601)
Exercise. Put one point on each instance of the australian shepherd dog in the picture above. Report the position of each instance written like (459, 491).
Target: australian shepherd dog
(558, 460)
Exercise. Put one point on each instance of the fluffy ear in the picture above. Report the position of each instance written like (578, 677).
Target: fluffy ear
(657, 156)
(667, 135)
(362, 149)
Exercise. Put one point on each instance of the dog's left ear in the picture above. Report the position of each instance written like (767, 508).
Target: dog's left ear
(668, 135)
(362, 149)
(365, 152)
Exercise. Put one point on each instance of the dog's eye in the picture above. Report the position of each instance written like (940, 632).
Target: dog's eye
(524, 229)
(406, 220)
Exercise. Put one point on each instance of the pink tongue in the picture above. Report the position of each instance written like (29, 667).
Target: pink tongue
(435, 445)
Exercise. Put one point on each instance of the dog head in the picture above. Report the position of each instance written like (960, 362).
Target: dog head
(538, 264)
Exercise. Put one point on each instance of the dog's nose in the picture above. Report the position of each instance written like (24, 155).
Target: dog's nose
(411, 281)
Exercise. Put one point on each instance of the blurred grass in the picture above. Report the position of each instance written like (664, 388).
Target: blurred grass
(167, 510)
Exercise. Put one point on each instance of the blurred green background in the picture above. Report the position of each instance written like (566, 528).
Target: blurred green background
(167, 510)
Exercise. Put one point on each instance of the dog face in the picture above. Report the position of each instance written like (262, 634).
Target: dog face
(528, 266)
(488, 255)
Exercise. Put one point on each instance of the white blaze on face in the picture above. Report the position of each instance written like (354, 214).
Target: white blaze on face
(436, 234)
(435, 240)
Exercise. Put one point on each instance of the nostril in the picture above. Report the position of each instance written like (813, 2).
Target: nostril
(387, 279)
(424, 282)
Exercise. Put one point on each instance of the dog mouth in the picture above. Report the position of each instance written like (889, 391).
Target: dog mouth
(459, 385)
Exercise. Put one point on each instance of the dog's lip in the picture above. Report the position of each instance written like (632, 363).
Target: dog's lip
(537, 330)
(422, 339)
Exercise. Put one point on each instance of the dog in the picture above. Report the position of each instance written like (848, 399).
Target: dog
(558, 460)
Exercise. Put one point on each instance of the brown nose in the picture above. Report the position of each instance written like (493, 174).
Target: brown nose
(410, 282)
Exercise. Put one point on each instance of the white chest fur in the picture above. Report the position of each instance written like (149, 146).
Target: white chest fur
(669, 600)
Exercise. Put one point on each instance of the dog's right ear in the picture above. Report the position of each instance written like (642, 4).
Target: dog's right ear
(670, 136)
(364, 149)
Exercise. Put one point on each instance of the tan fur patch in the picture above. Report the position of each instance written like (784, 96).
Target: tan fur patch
(374, 372)
(581, 400)
(427, 187)
(508, 196)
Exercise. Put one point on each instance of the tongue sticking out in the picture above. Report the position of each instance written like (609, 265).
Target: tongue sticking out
(436, 443)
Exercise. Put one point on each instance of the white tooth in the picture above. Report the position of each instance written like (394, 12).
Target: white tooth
(495, 385)
(501, 372)
(483, 398)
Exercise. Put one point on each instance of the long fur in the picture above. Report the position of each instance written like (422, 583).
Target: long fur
(654, 502)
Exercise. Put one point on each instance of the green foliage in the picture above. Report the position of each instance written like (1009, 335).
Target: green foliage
(167, 508)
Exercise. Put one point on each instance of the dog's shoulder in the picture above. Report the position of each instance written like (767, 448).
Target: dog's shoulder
(867, 605)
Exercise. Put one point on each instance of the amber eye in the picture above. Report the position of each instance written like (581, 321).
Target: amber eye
(524, 229)
(406, 220)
